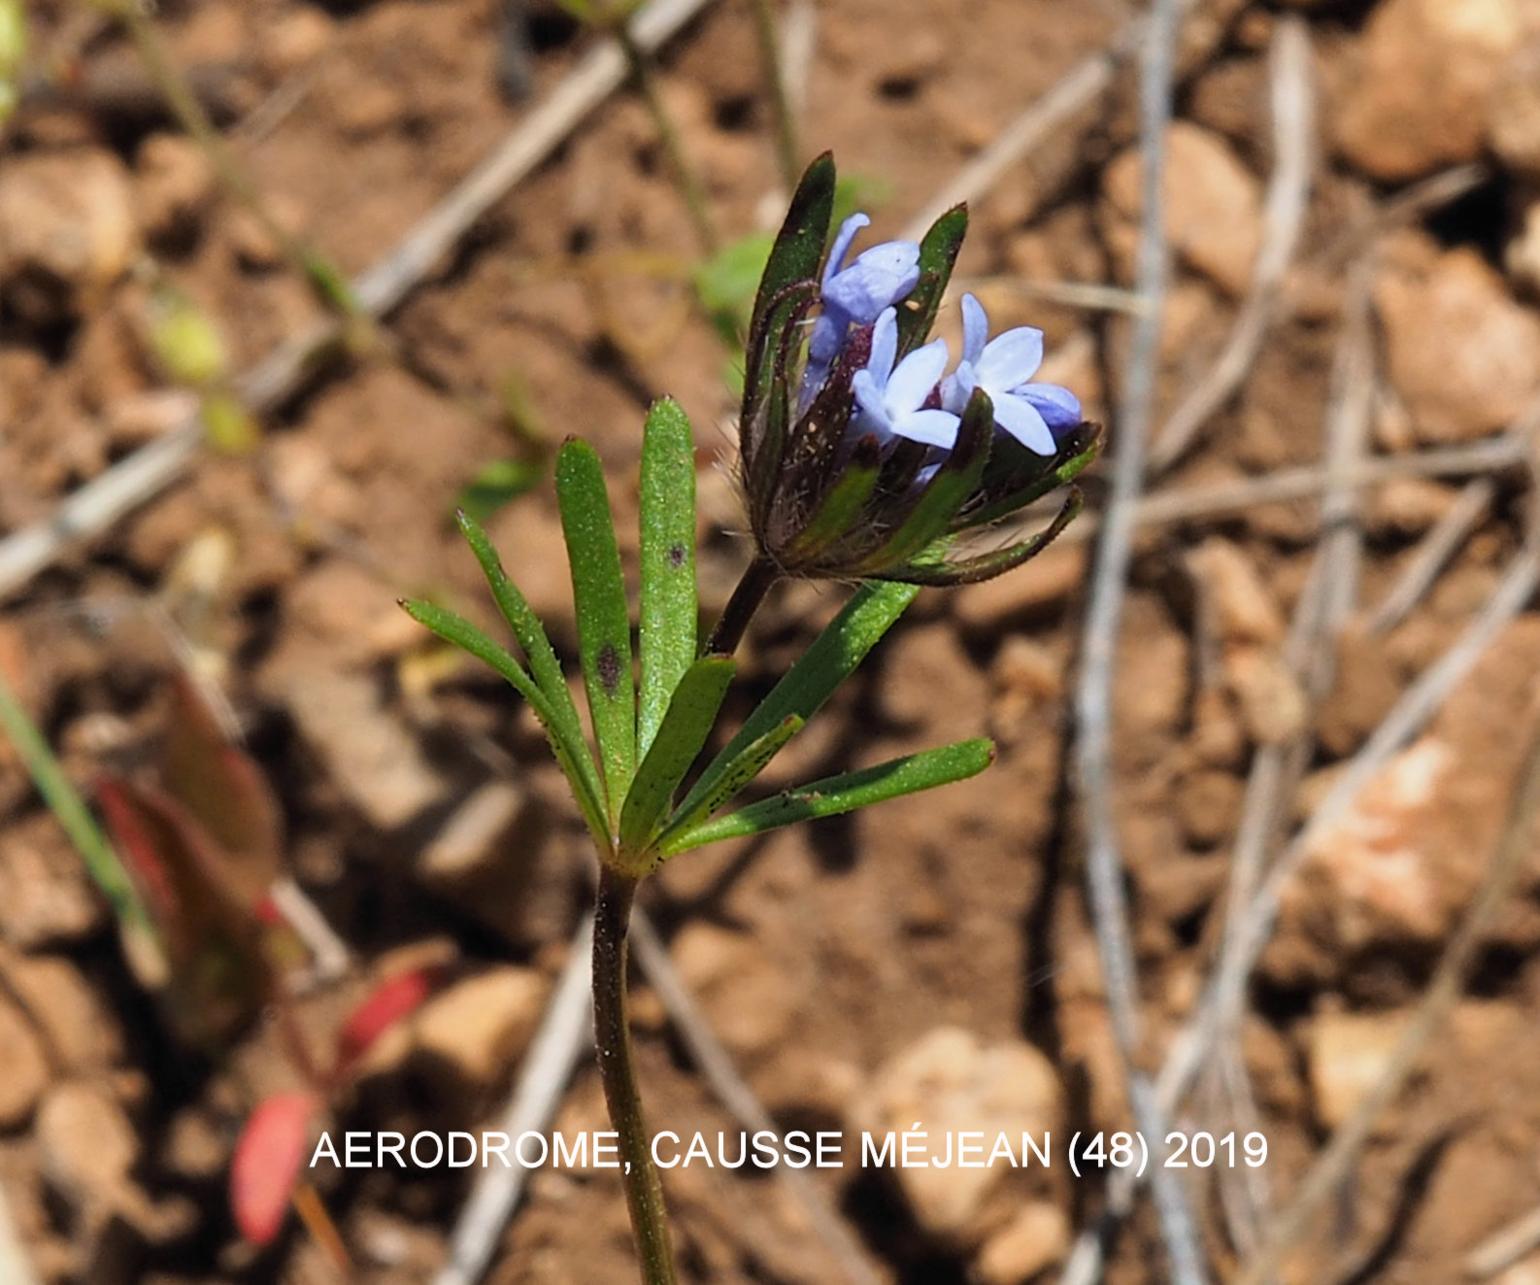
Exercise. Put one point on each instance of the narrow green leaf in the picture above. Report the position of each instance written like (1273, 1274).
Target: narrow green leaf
(945, 493)
(536, 645)
(464, 635)
(845, 793)
(669, 616)
(747, 764)
(831, 659)
(799, 245)
(986, 566)
(603, 621)
(691, 715)
(938, 254)
(100, 858)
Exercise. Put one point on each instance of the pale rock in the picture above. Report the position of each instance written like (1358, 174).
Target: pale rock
(473, 835)
(1025, 677)
(1213, 203)
(1044, 584)
(750, 1001)
(1267, 692)
(87, 1145)
(251, 238)
(46, 898)
(374, 760)
(80, 1031)
(1243, 607)
(1515, 112)
(197, 1145)
(1524, 1272)
(946, 1083)
(352, 612)
(26, 1068)
(1347, 1054)
(1462, 354)
(1208, 806)
(1407, 506)
(1034, 1240)
(67, 229)
(175, 181)
(478, 1026)
(1418, 98)
(1521, 256)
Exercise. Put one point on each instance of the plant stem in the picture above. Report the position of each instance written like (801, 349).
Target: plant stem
(780, 102)
(617, 1071)
(755, 583)
(685, 174)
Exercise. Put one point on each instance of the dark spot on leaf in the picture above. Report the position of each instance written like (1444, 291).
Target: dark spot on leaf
(676, 555)
(609, 668)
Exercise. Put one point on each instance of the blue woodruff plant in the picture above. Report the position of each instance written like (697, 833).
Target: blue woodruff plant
(861, 459)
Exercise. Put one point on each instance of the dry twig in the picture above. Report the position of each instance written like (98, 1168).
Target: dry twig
(1433, 554)
(1288, 195)
(1093, 697)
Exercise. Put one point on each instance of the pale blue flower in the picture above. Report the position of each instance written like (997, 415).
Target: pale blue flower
(892, 398)
(855, 295)
(1002, 367)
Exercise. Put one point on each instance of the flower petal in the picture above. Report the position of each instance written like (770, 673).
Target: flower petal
(884, 348)
(828, 334)
(869, 397)
(879, 277)
(975, 329)
(911, 383)
(1058, 406)
(841, 246)
(1020, 419)
(1010, 359)
(957, 387)
(933, 427)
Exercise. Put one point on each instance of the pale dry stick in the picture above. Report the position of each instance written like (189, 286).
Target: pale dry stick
(92, 508)
(1505, 1246)
(15, 1265)
(715, 1063)
(1093, 696)
(1288, 196)
(1323, 609)
(1190, 1049)
(1449, 977)
(559, 1045)
(1433, 554)
(1088, 295)
(799, 41)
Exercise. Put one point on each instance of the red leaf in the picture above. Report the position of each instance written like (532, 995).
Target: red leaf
(390, 1001)
(265, 1168)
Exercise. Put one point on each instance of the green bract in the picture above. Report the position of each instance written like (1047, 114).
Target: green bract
(648, 734)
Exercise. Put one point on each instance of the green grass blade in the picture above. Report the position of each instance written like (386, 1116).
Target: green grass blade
(831, 659)
(96, 851)
(668, 615)
(748, 763)
(837, 794)
(543, 663)
(603, 621)
(692, 713)
(464, 635)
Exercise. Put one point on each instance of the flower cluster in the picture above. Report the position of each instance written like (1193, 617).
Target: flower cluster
(862, 457)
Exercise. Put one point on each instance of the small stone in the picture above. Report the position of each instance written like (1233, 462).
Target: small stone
(1243, 607)
(1463, 356)
(87, 1145)
(67, 229)
(347, 608)
(1362, 694)
(1025, 676)
(1347, 1056)
(1521, 256)
(1208, 806)
(1034, 1240)
(1213, 203)
(946, 1083)
(46, 898)
(1418, 98)
(80, 1031)
(1515, 113)
(1268, 693)
(254, 244)
(479, 1026)
(174, 184)
(197, 1145)
(1042, 586)
(1407, 506)
(372, 758)
(751, 1002)
(26, 1069)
